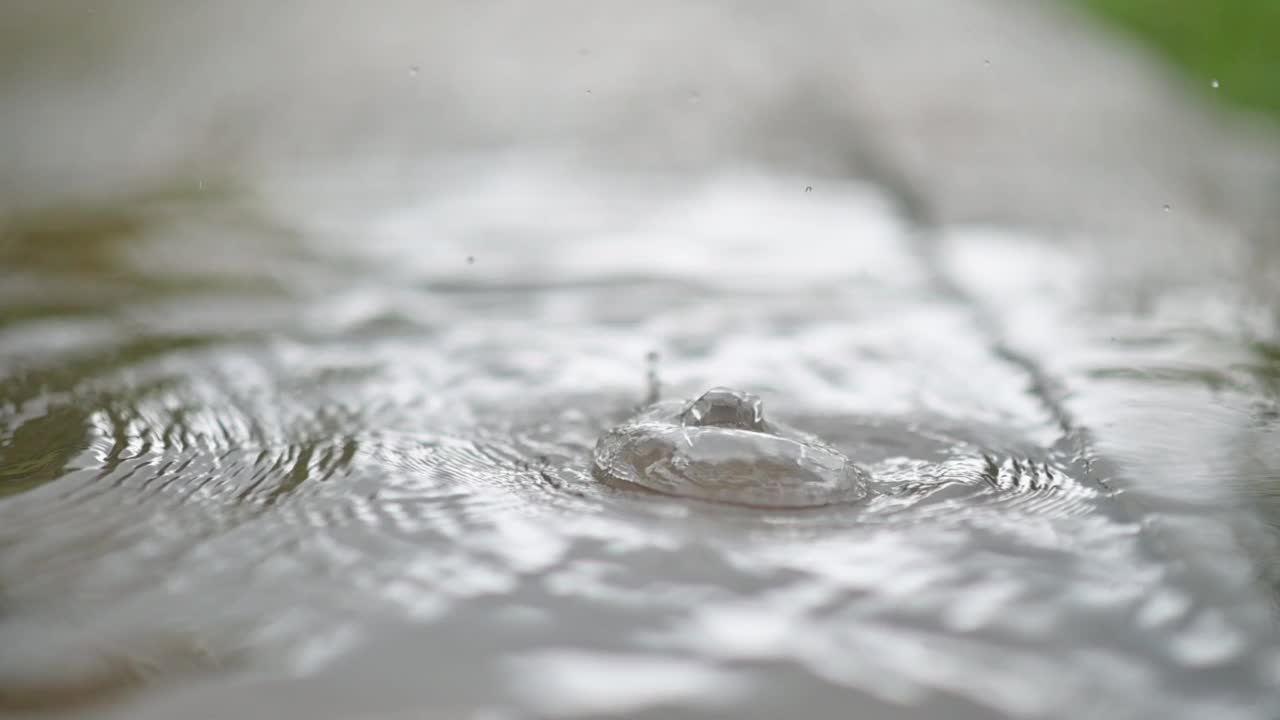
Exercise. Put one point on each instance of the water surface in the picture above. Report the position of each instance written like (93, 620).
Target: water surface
(299, 438)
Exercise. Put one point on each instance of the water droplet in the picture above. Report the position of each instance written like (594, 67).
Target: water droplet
(1214, 83)
(414, 70)
(651, 377)
(808, 188)
(471, 259)
(722, 407)
(1166, 208)
(987, 63)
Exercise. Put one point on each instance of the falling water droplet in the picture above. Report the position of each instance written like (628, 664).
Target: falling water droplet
(651, 378)
(1214, 83)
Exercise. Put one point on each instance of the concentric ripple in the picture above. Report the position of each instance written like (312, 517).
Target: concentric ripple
(721, 448)
(397, 466)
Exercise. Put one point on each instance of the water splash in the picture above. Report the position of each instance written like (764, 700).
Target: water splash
(720, 447)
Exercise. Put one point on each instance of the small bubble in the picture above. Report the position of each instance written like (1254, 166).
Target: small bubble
(414, 70)
(471, 259)
(1214, 83)
(808, 188)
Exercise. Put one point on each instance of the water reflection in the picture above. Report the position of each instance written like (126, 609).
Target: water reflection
(416, 454)
(320, 444)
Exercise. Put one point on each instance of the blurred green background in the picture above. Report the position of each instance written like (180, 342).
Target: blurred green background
(1236, 42)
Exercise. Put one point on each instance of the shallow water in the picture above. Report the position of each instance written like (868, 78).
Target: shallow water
(365, 485)
(320, 445)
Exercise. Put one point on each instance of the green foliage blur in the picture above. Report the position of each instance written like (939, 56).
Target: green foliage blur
(1235, 42)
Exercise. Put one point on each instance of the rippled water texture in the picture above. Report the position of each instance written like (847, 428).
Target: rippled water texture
(332, 448)
(380, 479)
